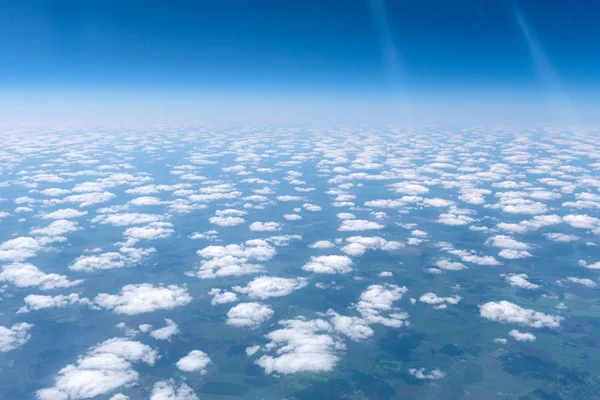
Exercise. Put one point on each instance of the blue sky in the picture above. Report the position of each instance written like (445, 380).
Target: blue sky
(302, 61)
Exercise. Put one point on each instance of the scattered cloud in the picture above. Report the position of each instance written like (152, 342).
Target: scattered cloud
(167, 390)
(301, 346)
(521, 336)
(264, 287)
(421, 373)
(14, 337)
(329, 265)
(233, 259)
(143, 298)
(507, 312)
(249, 315)
(349, 225)
(195, 361)
(104, 369)
(165, 332)
(27, 275)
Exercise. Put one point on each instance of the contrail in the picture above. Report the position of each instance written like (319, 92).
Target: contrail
(391, 59)
(548, 77)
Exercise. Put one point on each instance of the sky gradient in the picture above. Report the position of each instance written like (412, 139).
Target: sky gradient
(308, 61)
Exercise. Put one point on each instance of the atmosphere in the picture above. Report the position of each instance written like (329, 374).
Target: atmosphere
(300, 200)
(300, 61)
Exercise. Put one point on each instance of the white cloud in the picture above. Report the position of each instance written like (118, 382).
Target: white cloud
(432, 298)
(521, 281)
(208, 235)
(516, 203)
(54, 192)
(129, 332)
(506, 242)
(469, 256)
(292, 217)
(226, 221)
(448, 265)
(126, 219)
(34, 302)
(27, 275)
(233, 259)
(66, 213)
(419, 233)
(264, 226)
(145, 201)
(584, 264)
(409, 188)
(152, 189)
(290, 198)
(165, 332)
(381, 203)
(385, 274)
(512, 228)
(143, 298)
(88, 199)
(252, 350)
(583, 281)
(14, 337)
(322, 244)
(522, 336)
(474, 196)
(544, 195)
(301, 346)
(344, 215)
(119, 396)
(152, 231)
(230, 212)
(104, 369)
(421, 373)
(311, 207)
(56, 228)
(329, 264)
(166, 390)
(264, 287)
(358, 245)
(19, 210)
(561, 237)
(221, 297)
(128, 257)
(455, 217)
(541, 221)
(377, 299)
(353, 327)
(581, 221)
(379, 214)
(437, 202)
(358, 225)
(196, 360)
(537, 222)
(20, 248)
(506, 312)
(210, 197)
(514, 254)
(277, 240)
(249, 315)
(525, 207)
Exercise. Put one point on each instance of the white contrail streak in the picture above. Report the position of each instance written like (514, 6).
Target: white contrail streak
(390, 56)
(548, 77)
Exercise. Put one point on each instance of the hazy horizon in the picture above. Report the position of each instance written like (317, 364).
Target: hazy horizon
(514, 62)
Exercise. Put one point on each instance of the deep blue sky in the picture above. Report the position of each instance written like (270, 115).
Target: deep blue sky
(391, 60)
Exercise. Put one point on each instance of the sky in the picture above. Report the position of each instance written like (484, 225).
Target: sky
(351, 61)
